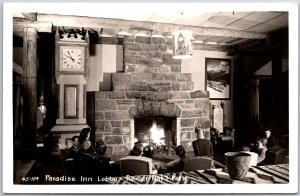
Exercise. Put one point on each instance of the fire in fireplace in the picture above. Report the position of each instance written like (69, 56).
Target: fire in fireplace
(157, 134)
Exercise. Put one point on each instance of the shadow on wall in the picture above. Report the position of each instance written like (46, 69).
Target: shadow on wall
(106, 84)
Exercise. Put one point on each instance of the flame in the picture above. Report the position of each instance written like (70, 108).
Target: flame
(157, 134)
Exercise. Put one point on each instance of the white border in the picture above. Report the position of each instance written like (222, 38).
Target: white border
(76, 8)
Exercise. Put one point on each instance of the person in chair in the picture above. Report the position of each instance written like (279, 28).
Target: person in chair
(177, 165)
(202, 146)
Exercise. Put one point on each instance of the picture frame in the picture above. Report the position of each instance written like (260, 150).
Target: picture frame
(218, 77)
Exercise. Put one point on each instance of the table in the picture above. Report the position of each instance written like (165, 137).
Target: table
(268, 174)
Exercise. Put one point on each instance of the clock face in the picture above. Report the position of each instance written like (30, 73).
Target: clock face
(72, 59)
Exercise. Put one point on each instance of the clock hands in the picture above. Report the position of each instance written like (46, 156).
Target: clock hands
(71, 56)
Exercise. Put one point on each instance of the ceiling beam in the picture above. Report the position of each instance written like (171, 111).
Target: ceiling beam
(92, 22)
(40, 26)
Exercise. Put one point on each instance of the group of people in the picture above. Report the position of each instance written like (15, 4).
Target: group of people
(264, 141)
(201, 146)
(90, 158)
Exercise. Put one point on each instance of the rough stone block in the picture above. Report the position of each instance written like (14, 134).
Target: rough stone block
(133, 46)
(165, 69)
(120, 115)
(103, 126)
(158, 40)
(170, 76)
(101, 95)
(121, 77)
(175, 86)
(123, 107)
(200, 94)
(159, 47)
(139, 86)
(120, 150)
(126, 140)
(136, 68)
(150, 54)
(160, 86)
(133, 94)
(175, 68)
(167, 58)
(128, 38)
(190, 101)
(204, 122)
(187, 122)
(124, 102)
(99, 115)
(141, 78)
(116, 95)
(170, 110)
(104, 104)
(134, 112)
(121, 130)
(179, 95)
(202, 103)
(107, 115)
(142, 39)
(113, 140)
(154, 96)
(191, 113)
(121, 86)
(186, 106)
(154, 69)
(116, 123)
(184, 77)
(157, 77)
(126, 123)
(187, 86)
(178, 110)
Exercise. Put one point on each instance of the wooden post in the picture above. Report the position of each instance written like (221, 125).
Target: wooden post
(30, 87)
(253, 100)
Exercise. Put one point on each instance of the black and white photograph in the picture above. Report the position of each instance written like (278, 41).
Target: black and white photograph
(218, 78)
(150, 98)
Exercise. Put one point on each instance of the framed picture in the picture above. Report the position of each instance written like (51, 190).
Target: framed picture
(218, 77)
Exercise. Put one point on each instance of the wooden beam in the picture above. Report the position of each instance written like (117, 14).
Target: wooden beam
(40, 26)
(210, 47)
(92, 22)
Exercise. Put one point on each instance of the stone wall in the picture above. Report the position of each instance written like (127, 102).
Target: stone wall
(152, 85)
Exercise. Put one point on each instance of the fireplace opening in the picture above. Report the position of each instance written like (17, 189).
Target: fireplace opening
(157, 134)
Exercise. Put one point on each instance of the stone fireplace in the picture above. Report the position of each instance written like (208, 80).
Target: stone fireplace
(152, 86)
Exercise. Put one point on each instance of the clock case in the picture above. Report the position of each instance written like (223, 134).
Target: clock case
(62, 41)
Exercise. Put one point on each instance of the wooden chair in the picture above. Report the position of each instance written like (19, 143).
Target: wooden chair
(136, 165)
(198, 163)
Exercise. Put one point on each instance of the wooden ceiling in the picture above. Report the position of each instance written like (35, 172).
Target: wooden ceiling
(210, 28)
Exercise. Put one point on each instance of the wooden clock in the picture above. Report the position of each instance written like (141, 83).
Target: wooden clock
(71, 71)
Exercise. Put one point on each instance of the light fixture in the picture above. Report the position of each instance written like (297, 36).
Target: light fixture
(182, 44)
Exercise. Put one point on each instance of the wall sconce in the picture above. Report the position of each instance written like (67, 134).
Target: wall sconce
(182, 45)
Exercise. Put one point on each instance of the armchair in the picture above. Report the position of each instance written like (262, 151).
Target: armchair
(198, 163)
(136, 165)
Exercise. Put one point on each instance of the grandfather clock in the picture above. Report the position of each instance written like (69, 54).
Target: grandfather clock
(71, 72)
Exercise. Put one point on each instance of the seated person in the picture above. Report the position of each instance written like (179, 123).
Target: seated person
(148, 151)
(101, 152)
(261, 149)
(87, 156)
(202, 147)
(177, 165)
(137, 150)
(74, 149)
(270, 139)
